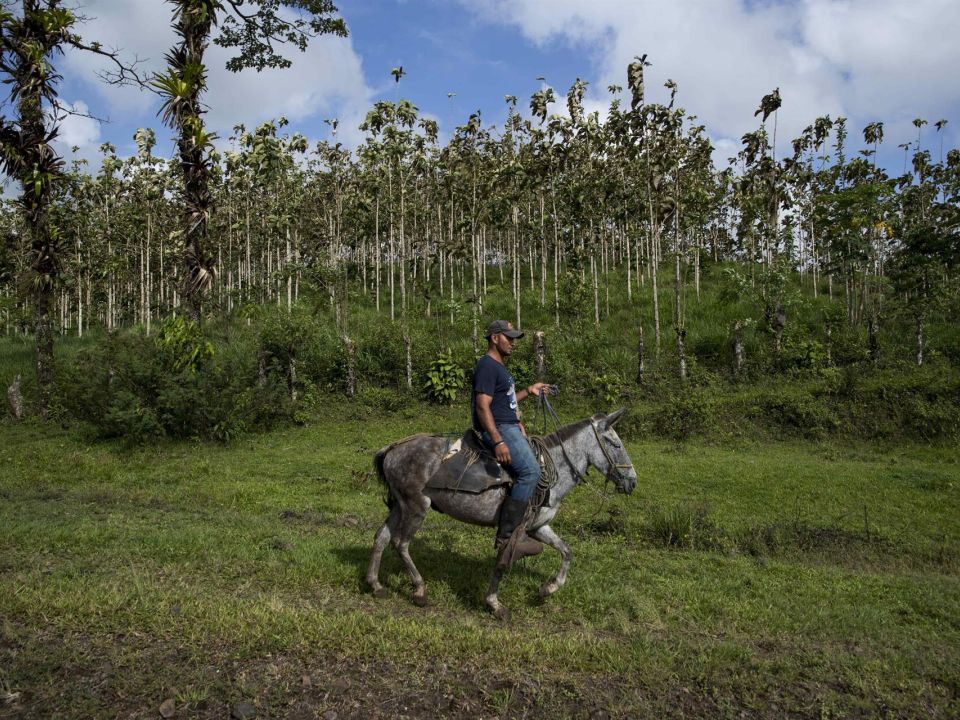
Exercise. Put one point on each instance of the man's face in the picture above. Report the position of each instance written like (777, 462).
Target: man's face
(503, 343)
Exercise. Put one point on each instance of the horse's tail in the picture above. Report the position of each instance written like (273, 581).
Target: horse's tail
(378, 459)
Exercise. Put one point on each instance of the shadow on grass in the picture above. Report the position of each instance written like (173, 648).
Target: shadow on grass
(466, 576)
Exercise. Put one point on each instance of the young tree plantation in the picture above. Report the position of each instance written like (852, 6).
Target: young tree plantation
(572, 216)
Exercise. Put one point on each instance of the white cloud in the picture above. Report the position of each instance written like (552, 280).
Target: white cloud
(325, 81)
(865, 59)
(77, 129)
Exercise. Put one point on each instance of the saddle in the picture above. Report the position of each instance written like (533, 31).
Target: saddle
(469, 466)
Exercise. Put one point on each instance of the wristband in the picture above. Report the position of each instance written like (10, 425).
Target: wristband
(501, 442)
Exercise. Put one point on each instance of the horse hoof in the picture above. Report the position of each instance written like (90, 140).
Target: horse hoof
(420, 600)
(546, 591)
(502, 614)
(380, 593)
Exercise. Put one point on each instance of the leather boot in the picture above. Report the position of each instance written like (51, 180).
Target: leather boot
(513, 548)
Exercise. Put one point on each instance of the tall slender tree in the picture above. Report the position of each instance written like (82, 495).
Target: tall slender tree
(30, 38)
(254, 28)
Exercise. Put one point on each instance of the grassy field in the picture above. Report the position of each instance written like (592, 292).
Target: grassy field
(763, 580)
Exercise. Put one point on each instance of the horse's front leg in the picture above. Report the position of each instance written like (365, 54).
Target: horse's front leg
(499, 610)
(547, 536)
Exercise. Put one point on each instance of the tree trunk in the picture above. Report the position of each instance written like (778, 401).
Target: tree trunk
(15, 397)
(596, 291)
(475, 331)
(194, 31)
(539, 355)
(696, 265)
(678, 311)
(351, 366)
(261, 369)
(682, 352)
(641, 355)
(829, 331)
(654, 261)
(292, 377)
(407, 345)
(44, 347)
(779, 323)
(738, 351)
(626, 242)
(919, 340)
(556, 265)
(873, 327)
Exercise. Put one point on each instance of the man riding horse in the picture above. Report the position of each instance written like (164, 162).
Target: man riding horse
(496, 418)
(420, 472)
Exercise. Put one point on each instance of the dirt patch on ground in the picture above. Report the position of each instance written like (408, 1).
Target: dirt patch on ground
(81, 676)
(75, 675)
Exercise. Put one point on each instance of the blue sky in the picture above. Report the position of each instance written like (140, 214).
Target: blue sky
(887, 60)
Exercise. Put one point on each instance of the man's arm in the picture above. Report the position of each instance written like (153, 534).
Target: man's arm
(485, 415)
(534, 389)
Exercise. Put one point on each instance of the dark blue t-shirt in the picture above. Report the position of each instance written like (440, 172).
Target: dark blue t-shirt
(493, 379)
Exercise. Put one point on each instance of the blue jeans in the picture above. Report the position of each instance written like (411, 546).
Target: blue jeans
(523, 468)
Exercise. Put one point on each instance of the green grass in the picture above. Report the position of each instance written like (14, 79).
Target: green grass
(815, 580)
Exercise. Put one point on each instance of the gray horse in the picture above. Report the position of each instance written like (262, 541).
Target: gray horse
(407, 466)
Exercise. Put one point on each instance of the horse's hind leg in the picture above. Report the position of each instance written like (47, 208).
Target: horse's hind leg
(380, 542)
(547, 536)
(415, 511)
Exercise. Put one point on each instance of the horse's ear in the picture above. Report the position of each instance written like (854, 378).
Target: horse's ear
(612, 418)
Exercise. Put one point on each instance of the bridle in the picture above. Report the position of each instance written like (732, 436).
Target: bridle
(616, 469)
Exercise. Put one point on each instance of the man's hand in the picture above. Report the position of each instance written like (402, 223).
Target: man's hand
(538, 388)
(502, 453)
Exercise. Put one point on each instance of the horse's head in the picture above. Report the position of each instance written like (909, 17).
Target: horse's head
(613, 460)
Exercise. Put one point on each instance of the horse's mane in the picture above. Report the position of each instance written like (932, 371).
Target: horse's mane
(564, 433)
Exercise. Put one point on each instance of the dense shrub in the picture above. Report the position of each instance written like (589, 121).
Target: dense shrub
(132, 386)
(688, 412)
(796, 411)
(243, 373)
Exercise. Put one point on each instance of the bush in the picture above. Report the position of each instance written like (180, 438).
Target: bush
(930, 419)
(802, 353)
(607, 389)
(127, 417)
(688, 412)
(127, 386)
(797, 411)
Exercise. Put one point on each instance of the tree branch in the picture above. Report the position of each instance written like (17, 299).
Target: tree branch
(123, 73)
(61, 111)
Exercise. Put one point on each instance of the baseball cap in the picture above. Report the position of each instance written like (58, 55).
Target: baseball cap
(502, 327)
